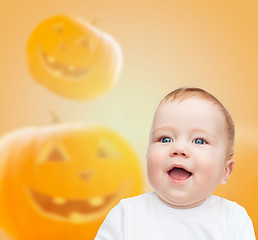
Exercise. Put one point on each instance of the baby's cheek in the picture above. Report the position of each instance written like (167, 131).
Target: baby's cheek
(210, 171)
(153, 159)
(152, 163)
(153, 175)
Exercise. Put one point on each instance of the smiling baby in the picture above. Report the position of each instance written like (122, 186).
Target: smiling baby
(190, 152)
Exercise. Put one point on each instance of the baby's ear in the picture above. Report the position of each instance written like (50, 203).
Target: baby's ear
(229, 165)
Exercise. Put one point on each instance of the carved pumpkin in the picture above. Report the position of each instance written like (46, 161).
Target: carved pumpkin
(59, 182)
(72, 58)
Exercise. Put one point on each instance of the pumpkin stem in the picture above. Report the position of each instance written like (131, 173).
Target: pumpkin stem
(55, 118)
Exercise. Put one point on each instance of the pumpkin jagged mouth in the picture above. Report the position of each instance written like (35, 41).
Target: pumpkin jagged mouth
(73, 210)
(62, 70)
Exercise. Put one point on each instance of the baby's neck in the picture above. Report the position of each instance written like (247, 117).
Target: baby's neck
(177, 206)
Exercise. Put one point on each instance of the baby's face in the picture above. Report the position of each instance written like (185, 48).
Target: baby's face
(187, 155)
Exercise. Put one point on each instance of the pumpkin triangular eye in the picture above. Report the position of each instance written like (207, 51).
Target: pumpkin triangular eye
(85, 42)
(58, 28)
(52, 153)
(107, 149)
(55, 156)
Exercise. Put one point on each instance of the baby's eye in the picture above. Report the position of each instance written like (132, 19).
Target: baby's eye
(166, 140)
(199, 141)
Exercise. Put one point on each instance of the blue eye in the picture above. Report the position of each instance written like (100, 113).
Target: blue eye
(199, 141)
(166, 140)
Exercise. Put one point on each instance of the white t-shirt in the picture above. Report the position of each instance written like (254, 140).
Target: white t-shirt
(146, 217)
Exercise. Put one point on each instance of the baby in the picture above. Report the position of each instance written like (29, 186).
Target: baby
(190, 152)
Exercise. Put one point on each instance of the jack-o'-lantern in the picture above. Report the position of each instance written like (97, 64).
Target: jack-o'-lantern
(242, 185)
(60, 181)
(73, 58)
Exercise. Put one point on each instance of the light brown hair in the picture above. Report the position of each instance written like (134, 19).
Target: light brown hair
(181, 94)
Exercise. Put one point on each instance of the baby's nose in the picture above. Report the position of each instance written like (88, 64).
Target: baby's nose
(176, 153)
(179, 151)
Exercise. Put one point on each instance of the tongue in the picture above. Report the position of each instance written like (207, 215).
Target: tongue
(179, 173)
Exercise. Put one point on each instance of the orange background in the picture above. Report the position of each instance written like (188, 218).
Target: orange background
(166, 44)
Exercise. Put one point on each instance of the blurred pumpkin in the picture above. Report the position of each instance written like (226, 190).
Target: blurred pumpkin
(72, 58)
(60, 181)
(242, 185)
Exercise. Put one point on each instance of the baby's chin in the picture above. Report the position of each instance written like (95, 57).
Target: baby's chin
(181, 205)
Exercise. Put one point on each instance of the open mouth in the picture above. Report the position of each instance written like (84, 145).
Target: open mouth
(62, 70)
(179, 174)
(74, 210)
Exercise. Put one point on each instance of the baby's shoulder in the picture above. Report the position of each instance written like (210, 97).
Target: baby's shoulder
(238, 221)
(223, 202)
(225, 206)
(140, 202)
(144, 198)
